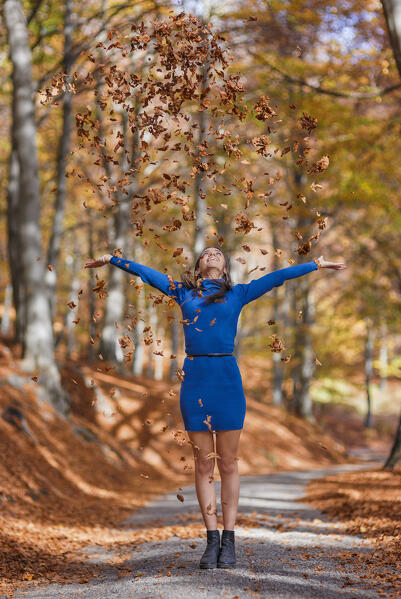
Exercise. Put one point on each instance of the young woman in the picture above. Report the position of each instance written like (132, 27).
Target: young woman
(212, 397)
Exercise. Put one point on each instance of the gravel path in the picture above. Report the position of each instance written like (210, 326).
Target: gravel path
(286, 553)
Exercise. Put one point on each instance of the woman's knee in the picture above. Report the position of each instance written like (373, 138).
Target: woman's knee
(202, 447)
(204, 465)
(227, 465)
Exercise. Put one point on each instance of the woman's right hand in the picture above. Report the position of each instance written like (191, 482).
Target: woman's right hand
(95, 262)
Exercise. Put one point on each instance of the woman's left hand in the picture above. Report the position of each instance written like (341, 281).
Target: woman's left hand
(327, 264)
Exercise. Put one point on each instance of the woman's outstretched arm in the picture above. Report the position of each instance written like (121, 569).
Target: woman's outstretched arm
(148, 275)
(257, 287)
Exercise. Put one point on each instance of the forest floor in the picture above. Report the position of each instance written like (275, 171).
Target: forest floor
(285, 550)
(70, 484)
(366, 504)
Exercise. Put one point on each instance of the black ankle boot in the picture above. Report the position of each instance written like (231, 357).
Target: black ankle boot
(209, 558)
(226, 557)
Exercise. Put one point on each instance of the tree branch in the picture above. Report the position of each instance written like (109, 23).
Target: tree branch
(34, 11)
(320, 90)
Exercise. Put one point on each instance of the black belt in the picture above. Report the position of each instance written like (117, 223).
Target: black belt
(209, 355)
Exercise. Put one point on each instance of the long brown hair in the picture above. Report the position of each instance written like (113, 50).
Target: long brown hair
(195, 282)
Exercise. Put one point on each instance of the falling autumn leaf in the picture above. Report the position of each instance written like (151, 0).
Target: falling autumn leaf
(319, 166)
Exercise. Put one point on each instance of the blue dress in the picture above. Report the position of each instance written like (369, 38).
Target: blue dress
(211, 390)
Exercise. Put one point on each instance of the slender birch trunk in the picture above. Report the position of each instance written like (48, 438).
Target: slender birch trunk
(38, 331)
(395, 454)
(63, 150)
(175, 341)
(150, 367)
(115, 302)
(139, 353)
(72, 265)
(278, 367)
(158, 360)
(383, 357)
(13, 242)
(369, 344)
(6, 319)
(307, 366)
(199, 190)
(392, 14)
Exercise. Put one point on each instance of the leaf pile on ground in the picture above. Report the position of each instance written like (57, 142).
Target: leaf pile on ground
(368, 504)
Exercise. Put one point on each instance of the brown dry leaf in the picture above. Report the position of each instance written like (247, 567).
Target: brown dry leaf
(276, 345)
(308, 122)
(207, 422)
(263, 109)
(100, 289)
(244, 225)
(180, 374)
(319, 166)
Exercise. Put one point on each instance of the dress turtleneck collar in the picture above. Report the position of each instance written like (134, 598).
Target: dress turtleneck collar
(211, 280)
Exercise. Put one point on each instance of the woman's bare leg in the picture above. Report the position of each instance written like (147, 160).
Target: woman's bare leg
(227, 443)
(202, 446)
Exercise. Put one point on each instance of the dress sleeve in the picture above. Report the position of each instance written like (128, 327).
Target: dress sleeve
(151, 276)
(257, 287)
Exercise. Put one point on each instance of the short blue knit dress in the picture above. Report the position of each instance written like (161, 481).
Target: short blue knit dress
(212, 396)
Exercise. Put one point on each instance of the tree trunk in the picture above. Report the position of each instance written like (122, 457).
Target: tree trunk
(278, 366)
(200, 198)
(114, 310)
(150, 367)
(92, 299)
(139, 353)
(72, 265)
(38, 331)
(137, 362)
(115, 302)
(392, 14)
(370, 337)
(5, 319)
(175, 339)
(13, 237)
(395, 453)
(304, 368)
(158, 360)
(308, 367)
(63, 150)
(199, 191)
(383, 357)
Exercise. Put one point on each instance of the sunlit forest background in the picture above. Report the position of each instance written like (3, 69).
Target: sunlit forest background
(151, 130)
(301, 154)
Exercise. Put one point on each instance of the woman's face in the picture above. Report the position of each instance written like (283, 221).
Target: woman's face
(211, 258)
